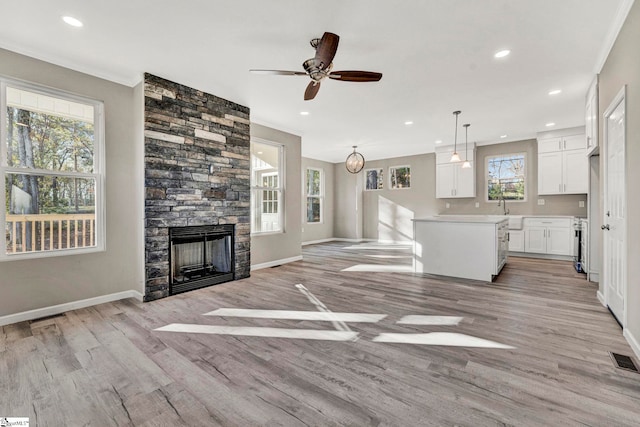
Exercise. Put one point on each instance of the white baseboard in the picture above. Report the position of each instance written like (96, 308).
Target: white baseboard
(73, 305)
(275, 263)
(601, 298)
(633, 342)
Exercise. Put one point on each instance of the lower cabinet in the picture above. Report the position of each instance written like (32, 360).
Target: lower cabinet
(516, 240)
(551, 236)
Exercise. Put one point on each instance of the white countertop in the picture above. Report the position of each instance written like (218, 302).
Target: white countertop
(475, 219)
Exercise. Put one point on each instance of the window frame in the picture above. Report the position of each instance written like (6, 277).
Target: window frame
(98, 174)
(526, 176)
(319, 196)
(280, 190)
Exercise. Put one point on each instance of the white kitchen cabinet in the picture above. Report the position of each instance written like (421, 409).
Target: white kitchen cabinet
(591, 118)
(516, 240)
(452, 180)
(563, 165)
(552, 236)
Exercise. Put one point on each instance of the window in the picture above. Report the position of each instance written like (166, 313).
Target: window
(266, 186)
(506, 177)
(374, 179)
(52, 167)
(315, 188)
(400, 177)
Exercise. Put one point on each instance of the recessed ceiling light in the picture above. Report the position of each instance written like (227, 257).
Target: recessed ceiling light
(439, 141)
(502, 53)
(408, 123)
(259, 152)
(72, 21)
(550, 124)
(503, 136)
(304, 113)
(555, 92)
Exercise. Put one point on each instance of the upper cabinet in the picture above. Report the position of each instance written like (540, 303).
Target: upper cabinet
(452, 180)
(563, 165)
(591, 118)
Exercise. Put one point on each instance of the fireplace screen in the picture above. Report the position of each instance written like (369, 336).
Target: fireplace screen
(200, 256)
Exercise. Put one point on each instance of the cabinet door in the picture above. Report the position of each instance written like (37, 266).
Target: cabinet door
(550, 173)
(516, 240)
(445, 180)
(559, 241)
(573, 142)
(535, 240)
(576, 172)
(549, 145)
(465, 181)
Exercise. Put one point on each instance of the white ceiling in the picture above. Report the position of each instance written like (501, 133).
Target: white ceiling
(436, 56)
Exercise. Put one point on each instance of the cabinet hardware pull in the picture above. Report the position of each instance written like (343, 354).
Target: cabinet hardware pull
(605, 227)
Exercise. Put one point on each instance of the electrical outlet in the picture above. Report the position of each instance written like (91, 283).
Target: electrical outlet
(581, 204)
(447, 205)
(541, 202)
(477, 204)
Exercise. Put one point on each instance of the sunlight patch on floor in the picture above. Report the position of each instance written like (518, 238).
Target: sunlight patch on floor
(375, 268)
(430, 320)
(440, 338)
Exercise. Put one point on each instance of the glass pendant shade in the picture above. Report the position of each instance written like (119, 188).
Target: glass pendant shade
(467, 163)
(355, 161)
(455, 157)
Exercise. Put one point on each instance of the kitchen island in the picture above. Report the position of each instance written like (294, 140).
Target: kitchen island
(465, 246)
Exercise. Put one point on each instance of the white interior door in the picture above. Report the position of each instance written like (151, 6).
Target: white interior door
(614, 221)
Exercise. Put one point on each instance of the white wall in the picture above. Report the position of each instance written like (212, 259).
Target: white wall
(38, 283)
(623, 67)
(267, 249)
(313, 232)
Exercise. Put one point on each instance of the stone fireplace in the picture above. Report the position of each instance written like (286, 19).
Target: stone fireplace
(197, 189)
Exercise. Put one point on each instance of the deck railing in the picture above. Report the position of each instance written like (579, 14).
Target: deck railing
(48, 232)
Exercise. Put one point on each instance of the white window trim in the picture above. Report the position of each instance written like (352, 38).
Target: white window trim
(398, 167)
(280, 188)
(98, 173)
(319, 197)
(486, 176)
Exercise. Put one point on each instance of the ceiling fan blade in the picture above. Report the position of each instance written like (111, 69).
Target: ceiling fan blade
(280, 72)
(326, 49)
(356, 76)
(311, 91)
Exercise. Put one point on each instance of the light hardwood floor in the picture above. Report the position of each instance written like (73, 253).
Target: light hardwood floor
(108, 366)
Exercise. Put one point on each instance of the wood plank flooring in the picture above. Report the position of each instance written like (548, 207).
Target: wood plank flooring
(108, 365)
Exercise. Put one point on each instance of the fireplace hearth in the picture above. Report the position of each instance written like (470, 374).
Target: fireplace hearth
(200, 256)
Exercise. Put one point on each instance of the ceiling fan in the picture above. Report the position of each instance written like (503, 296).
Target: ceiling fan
(320, 66)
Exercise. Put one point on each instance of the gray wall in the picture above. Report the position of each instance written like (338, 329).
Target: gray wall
(623, 67)
(269, 248)
(324, 230)
(387, 214)
(347, 220)
(32, 284)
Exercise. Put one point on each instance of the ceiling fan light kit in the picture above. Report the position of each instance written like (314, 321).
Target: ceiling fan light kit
(355, 161)
(320, 67)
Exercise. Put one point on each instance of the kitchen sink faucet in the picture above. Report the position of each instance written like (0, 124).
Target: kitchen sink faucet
(504, 204)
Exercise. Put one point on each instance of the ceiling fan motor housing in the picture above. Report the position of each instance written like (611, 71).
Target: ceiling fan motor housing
(314, 68)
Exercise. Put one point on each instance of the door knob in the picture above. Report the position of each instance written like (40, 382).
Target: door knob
(605, 227)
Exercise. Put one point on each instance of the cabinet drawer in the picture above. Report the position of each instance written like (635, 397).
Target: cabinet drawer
(548, 222)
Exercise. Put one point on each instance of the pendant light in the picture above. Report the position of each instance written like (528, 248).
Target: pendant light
(467, 163)
(355, 161)
(455, 157)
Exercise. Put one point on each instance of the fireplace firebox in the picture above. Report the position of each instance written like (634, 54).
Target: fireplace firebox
(200, 256)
